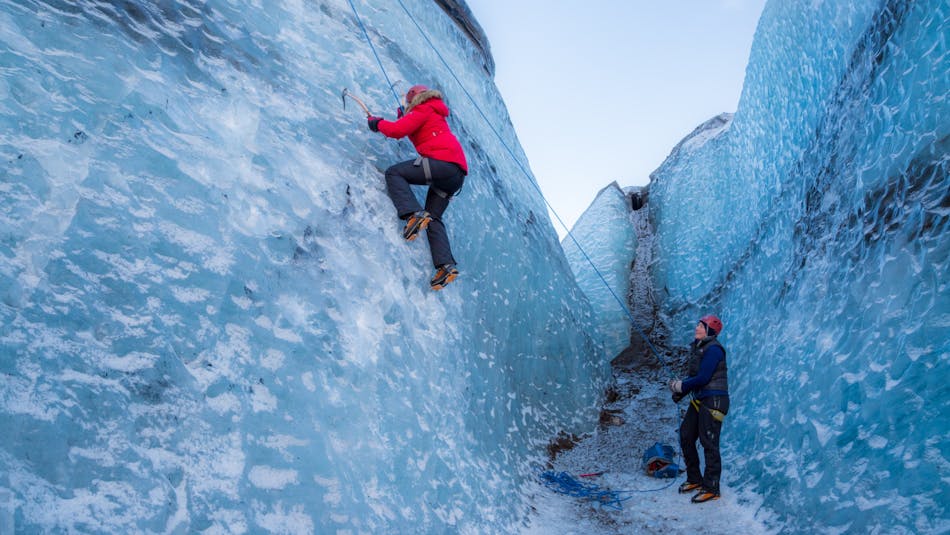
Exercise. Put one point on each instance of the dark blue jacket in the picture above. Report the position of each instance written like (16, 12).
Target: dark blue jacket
(707, 369)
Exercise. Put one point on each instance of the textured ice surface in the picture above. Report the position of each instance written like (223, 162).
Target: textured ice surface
(601, 264)
(818, 225)
(209, 320)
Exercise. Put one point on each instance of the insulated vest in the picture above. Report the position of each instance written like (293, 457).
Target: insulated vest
(718, 380)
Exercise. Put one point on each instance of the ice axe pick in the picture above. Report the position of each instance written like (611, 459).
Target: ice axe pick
(346, 93)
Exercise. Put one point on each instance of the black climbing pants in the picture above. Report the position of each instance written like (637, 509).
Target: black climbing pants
(447, 178)
(700, 424)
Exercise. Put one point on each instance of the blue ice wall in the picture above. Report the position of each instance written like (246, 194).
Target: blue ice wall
(601, 264)
(818, 225)
(209, 321)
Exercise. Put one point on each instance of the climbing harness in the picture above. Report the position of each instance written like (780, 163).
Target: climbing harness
(565, 483)
(424, 162)
(717, 415)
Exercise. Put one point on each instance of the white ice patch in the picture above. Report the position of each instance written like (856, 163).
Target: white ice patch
(223, 403)
(216, 257)
(826, 340)
(181, 508)
(103, 458)
(295, 310)
(332, 495)
(802, 379)
(262, 400)
(852, 378)
(216, 463)
(266, 477)
(272, 359)
(243, 302)
(823, 432)
(190, 295)
(132, 362)
(865, 504)
(307, 380)
(87, 379)
(288, 335)
(281, 443)
(281, 522)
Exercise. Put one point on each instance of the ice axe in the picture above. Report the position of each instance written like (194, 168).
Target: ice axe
(346, 93)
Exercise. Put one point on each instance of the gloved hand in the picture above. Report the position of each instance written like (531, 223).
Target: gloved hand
(400, 111)
(678, 397)
(373, 123)
(676, 386)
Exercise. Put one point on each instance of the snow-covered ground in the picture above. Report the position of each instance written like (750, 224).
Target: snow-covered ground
(641, 415)
(651, 505)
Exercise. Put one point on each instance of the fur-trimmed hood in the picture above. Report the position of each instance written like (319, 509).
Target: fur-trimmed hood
(424, 121)
(428, 94)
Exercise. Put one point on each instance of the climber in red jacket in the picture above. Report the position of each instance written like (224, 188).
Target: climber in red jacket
(441, 164)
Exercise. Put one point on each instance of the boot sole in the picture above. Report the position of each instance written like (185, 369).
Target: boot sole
(697, 499)
(413, 232)
(447, 280)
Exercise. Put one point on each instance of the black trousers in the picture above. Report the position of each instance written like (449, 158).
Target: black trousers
(699, 424)
(447, 177)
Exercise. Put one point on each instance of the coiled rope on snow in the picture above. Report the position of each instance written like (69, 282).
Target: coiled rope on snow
(565, 483)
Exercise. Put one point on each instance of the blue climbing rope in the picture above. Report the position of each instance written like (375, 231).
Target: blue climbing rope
(565, 483)
(373, 48)
(521, 166)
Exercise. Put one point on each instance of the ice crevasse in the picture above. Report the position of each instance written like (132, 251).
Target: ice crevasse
(210, 323)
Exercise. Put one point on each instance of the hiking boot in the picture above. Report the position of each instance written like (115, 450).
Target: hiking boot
(444, 275)
(705, 495)
(417, 222)
(690, 487)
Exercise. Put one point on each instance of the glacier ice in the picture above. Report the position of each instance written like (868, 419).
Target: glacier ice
(209, 321)
(816, 221)
(605, 232)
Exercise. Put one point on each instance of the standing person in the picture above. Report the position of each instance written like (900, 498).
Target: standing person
(707, 409)
(441, 164)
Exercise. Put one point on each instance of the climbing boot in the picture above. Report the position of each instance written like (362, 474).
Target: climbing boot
(444, 275)
(690, 487)
(704, 495)
(417, 222)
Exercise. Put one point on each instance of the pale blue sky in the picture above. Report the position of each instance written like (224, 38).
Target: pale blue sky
(602, 90)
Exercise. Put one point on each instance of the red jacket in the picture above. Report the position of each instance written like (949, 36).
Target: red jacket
(428, 130)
